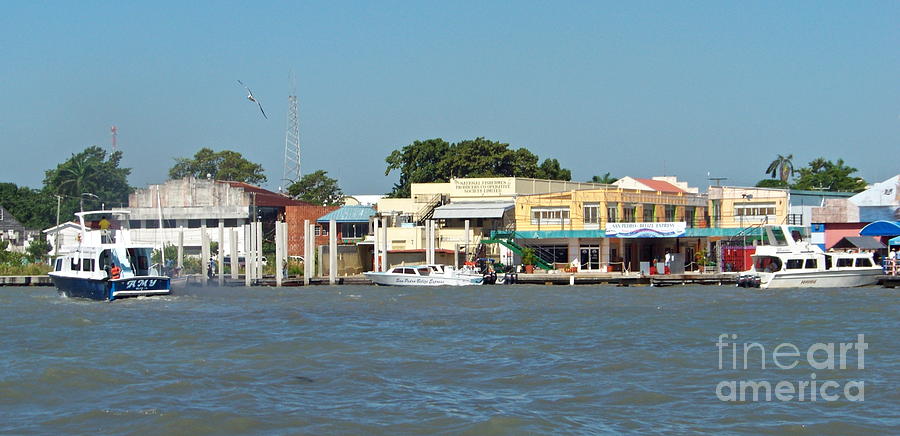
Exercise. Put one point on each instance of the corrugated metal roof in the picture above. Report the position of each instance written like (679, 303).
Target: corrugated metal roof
(475, 209)
(349, 214)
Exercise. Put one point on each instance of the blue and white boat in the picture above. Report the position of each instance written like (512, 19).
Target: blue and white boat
(85, 269)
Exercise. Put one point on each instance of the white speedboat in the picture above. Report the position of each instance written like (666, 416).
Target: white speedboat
(789, 260)
(425, 275)
(104, 264)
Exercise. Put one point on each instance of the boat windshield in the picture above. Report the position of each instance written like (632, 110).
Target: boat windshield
(767, 263)
(424, 271)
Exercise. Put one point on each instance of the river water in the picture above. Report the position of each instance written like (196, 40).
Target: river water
(480, 360)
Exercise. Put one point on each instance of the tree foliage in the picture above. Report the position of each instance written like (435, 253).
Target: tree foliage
(782, 167)
(772, 183)
(436, 160)
(606, 179)
(317, 188)
(221, 165)
(822, 174)
(34, 208)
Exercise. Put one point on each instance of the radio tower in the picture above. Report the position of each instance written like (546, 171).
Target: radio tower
(115, 132)
(292, 172)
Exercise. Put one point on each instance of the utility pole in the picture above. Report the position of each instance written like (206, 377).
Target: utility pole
(115, 133)
(56, 236)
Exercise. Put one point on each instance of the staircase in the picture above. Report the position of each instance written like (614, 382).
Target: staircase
(426, 212)
(507, 238)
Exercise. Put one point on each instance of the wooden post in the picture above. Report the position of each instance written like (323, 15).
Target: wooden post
(308, 257)
(204, 254)
(332, 252)
(259, 249)
(279, 272)
(221, 254)
(251, 257)
(235, 264)
(180, 263)
(247, 238)
(466, 246)
(375, 246)
(384, 246)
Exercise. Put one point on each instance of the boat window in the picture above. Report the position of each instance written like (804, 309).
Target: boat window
(424, 271)
(827, 261)
(811, 264)
(87, 264)
(59, 265)
(767, 263)
(844, 261)
(863, 261)
(76, 264)
(779, 237)
(411, 271)
(795, 263)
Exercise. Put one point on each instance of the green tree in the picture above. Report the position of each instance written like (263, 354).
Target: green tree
(317, 188)
(822, 174)
(90, 178)
(37, 250)
(435, 160)
(781, 167)
(605, 179)
(772, 183)
(221, 165)
(34, 208)
(418, 162)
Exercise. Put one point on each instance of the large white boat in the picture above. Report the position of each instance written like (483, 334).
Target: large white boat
(790, 260)
(104, 264)
(426, 275)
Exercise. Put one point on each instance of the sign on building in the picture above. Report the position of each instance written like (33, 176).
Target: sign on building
(645, 230)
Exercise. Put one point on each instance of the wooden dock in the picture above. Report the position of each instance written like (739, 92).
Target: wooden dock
(43, 280)
(889, 281)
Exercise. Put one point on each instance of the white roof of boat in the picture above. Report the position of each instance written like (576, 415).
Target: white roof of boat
(474, 209)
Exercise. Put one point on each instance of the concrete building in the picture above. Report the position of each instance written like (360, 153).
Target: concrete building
(159, 213)
(838, 218)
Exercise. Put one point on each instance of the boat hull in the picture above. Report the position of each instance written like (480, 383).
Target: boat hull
(820, 279)
(385, 279)
(111, 289)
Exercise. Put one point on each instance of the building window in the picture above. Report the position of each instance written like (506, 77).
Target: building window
(670, 213)
(549, 215)
(321, 230)
(629, 213)
(169, 224)
(553, 253)
(689, 216)
(612, 212)
(648, 213)
(591, 213)
(212, 222)
(134, 224)
(193, 224)
(231, 222)
(151, 224)
(754, 211)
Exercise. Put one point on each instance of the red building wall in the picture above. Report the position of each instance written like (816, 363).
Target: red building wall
(835, 231)
(294, 216)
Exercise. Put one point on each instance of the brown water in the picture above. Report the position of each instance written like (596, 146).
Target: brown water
(480, 360)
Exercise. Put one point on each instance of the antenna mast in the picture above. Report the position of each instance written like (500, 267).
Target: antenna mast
(292, 172)
(115, 132)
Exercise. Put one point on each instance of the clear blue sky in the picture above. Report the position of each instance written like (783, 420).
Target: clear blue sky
(631, 88)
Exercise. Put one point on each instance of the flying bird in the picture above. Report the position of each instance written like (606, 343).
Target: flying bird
(253, 99)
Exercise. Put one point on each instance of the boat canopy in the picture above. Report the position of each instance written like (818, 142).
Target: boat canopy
(895, 241)
(881, 228)
(861, 242)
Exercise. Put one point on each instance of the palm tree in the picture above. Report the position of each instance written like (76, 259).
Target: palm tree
(781, 167)
(606, 179)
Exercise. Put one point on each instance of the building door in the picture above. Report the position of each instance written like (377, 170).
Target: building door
(590, 257)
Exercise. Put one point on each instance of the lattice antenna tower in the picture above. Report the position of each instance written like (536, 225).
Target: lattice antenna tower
(292, 172)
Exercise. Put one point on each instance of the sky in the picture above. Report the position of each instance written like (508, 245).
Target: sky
(690, 89)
